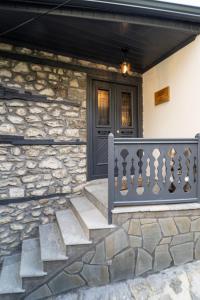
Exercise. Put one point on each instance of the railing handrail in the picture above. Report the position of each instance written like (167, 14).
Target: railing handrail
(155, 141)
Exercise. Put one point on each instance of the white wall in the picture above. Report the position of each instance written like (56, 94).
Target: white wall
(181, 116)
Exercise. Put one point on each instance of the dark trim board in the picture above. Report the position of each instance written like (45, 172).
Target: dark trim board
(9, 94)
(130, 81)
(109, 17)
(152, 7)
(20, 141)
(30, 198)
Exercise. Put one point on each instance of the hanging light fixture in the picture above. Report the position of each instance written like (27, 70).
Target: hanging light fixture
(125, 66)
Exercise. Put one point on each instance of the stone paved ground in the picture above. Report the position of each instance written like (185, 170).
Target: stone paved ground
(173, 284)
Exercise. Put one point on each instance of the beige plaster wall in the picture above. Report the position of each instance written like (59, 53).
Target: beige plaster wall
(181, 116)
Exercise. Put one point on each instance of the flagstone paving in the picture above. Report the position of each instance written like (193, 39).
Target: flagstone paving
(173, 284)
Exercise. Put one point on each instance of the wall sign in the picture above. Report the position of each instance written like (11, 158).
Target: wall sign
(162, 96)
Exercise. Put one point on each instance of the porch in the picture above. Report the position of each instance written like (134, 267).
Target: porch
(62, 97)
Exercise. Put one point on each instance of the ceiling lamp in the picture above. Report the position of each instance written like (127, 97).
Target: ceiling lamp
(125, 66)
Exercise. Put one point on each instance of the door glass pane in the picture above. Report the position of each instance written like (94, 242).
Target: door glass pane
(103, 107)
(126, 110)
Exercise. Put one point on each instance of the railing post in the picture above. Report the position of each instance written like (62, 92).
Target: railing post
(111, 178)
(198, 166)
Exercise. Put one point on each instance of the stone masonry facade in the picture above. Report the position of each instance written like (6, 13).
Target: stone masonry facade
(139, 246)
(42, 120)
(39, 170)
(42, 170)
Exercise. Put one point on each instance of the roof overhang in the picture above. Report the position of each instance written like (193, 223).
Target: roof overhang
(97, 30)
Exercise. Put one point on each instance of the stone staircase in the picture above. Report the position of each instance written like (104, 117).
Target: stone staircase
(74, 230)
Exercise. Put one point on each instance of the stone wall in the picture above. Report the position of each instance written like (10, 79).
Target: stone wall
(144, 243)
(41, 170)
(42, 120)
(20, 221)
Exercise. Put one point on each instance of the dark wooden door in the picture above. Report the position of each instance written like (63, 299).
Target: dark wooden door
(113, 109)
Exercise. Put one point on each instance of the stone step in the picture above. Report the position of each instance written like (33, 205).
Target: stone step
(97, 192)
(91, 219)
(51, 244)
(31, 263)
(10, 280)
(70, 228)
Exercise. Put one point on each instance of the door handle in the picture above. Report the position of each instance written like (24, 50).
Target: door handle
(118, 131)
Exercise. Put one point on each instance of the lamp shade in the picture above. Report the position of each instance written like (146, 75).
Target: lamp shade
(125, 67)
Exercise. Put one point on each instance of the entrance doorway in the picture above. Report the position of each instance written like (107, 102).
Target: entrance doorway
(113, 109)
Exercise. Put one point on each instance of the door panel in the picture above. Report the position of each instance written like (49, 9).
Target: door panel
(126, 111)
(113, 109)
(103, 124)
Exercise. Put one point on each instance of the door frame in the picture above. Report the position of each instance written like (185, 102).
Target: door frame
(115, 78)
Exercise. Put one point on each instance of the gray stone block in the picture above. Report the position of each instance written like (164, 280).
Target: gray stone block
(90, 218)
(148, 221)
(196, 236)
(183, 224)
(135, 241)
(88, 257)
(168, 226)
(134, 227)
(65, 282)
(197, 249)
(162, 258)
(151, 236)
(195, 225)
(10, 280)
(144, 262)
(123, 265)
(182, 253)
(95, 275)
(76, 267)
(71, 231)
(182, 238)
(30, 283)
(40, 293)
(99, 257)
(50, 266)
(97, 192)
(166, 240)
(115, 243)
(126, 226)
(52, 248)
(74, 251)
(31, 264)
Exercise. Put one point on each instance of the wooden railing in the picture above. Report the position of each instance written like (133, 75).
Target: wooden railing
(152, 171)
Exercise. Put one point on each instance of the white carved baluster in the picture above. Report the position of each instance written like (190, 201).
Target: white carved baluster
(156, 187)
